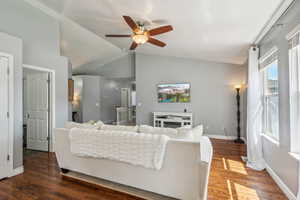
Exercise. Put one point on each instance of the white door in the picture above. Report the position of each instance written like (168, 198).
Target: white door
(4, 118)
(37, 111)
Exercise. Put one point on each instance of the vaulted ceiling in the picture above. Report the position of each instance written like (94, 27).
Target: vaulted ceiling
(212, 30)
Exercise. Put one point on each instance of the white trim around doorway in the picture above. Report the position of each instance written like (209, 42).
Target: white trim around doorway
(52, 99)
(11, 110)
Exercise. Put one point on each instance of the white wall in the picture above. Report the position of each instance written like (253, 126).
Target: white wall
(213, 100)
(277, 157)
(40, 36)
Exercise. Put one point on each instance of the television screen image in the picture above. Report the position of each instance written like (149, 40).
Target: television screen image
(174, 93)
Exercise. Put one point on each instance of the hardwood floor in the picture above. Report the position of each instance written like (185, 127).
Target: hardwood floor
(229, 180)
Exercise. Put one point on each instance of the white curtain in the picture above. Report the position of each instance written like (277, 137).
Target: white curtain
(254, 113)
(294, 67)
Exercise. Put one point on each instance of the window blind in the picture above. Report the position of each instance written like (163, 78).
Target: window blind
(294, 41)
(268, 60)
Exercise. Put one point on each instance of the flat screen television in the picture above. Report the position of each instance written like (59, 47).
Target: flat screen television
(174, 93)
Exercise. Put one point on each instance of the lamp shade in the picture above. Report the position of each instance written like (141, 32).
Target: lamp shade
(238, 86)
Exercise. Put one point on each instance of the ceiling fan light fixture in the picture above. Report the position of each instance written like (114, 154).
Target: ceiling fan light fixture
(140, 38)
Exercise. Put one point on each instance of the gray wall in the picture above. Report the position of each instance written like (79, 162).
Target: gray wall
(120, 68)
(277, 157)
(115, 75)
(244, 105)
(90, 99)
(212, 90)
(111, 97)
(40, 36)
(98, 89)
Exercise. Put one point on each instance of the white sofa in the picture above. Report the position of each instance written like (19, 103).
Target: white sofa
(184, 174)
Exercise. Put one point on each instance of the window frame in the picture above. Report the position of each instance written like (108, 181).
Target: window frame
(264, 104)
(265, 61)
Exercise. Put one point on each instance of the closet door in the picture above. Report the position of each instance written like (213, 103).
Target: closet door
(37, 111)
(4, 118)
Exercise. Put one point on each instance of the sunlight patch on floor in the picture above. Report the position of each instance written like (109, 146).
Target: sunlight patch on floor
(236, 166)
(229, 190)
(224, 163)
(240, 192)
(244, 192)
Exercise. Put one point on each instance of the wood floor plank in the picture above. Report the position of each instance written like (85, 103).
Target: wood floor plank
(230, 179)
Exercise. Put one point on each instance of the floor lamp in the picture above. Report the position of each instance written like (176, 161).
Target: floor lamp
(238, 113)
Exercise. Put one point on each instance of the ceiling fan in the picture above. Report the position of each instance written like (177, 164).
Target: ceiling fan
(141, 35)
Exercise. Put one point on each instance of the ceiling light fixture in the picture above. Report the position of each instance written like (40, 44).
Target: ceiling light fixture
(140, 38)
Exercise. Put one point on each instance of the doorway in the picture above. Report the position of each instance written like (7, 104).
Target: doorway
(37, 110)
(6, 115)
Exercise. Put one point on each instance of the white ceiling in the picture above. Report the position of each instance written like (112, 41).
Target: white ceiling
(82, 46)
(216, 30)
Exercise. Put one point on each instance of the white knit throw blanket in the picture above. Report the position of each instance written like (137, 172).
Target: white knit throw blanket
(145, 150)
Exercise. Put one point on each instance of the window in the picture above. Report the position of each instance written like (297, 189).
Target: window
(269, 67)
(294, 84)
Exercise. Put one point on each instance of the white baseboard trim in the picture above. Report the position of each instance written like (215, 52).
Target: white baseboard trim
(223, 137)
(280, 183)
(18, 171)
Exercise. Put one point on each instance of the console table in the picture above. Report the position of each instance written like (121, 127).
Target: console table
(172, 119)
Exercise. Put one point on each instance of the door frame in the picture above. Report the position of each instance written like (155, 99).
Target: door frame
(10, 110)
(52, 118)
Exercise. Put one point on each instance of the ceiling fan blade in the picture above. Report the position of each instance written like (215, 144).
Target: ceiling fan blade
(117, 35)
(156, 42)
(133, 46)
(160, 30)
(130, 22)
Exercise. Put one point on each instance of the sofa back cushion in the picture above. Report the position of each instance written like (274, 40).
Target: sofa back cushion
(70, 125)
(184, 132)
(176, 133)
(171, 132)
(198, 130)
(194, 133)
(119, 128)
(99, 124)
